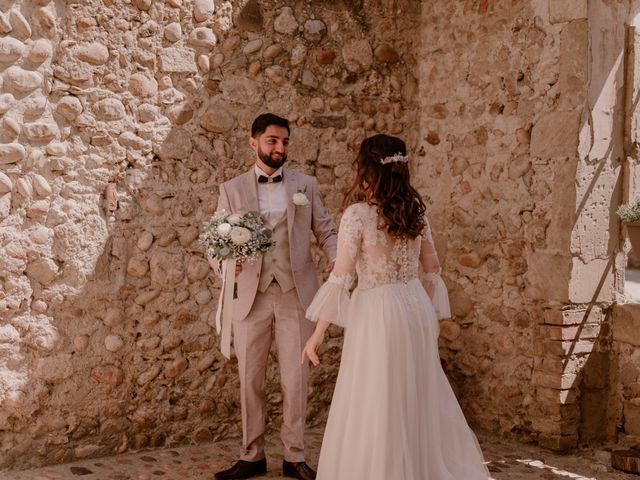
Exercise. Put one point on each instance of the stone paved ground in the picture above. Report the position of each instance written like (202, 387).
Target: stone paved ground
(506, 460)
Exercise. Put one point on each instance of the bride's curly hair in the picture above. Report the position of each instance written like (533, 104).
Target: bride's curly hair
(386, 185)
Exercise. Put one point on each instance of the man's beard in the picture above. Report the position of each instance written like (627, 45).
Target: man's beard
(271, 162)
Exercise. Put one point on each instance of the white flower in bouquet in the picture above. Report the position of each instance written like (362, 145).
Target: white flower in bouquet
(234, 236)
(300, 199)
(234, 219)
(240, 235)
(224, 229)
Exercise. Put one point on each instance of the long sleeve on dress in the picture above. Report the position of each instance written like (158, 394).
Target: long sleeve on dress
(332, 299)
(434, 284)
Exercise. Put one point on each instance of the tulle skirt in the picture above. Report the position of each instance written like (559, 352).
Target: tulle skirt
(394, 415)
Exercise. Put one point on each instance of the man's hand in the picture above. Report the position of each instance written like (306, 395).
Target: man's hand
(329, 267)
(217, 266)
(239, 267)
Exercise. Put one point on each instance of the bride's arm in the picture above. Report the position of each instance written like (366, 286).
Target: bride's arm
(435, 287)
(330, 302)
(314, 342)
(428, 254)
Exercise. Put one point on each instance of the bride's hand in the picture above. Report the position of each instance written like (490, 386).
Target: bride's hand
(311, 349)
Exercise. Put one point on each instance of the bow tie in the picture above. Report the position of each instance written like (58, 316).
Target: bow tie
(265, 179)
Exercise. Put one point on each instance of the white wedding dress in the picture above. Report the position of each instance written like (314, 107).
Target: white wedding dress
(393, 415)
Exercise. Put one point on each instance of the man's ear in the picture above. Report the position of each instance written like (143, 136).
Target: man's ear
(253, 143)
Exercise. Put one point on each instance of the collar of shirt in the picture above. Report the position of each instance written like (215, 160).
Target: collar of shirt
(272, 198)
(259, 172)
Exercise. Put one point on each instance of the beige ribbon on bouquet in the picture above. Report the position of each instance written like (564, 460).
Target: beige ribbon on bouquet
(224, 314)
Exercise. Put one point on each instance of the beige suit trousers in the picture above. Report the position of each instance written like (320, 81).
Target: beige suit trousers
(252, 341)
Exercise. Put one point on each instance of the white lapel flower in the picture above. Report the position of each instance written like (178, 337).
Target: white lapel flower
(300, 199)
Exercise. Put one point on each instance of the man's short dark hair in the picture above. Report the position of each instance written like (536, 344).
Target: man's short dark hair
(262, 121)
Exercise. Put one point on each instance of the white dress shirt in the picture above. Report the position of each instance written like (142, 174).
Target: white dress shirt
(272, 198)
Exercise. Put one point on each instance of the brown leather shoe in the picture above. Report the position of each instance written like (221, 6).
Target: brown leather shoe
(299, 470)
(243, 469)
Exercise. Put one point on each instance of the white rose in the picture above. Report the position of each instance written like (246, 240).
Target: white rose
(240, 235)
(300, 199)
(234, 219)
(224, 229)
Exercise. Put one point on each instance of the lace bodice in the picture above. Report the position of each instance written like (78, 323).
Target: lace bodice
(377, 257)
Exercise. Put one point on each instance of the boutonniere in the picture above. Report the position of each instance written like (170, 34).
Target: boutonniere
(300, 199)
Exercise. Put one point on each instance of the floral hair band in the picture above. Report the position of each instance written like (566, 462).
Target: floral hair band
(398, 157)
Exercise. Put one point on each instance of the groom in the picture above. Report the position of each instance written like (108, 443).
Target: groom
(273, 294)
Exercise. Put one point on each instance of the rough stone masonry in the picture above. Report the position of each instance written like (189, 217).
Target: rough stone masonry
(120, 118)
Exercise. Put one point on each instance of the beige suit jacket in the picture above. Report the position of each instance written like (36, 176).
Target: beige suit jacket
(240, 195)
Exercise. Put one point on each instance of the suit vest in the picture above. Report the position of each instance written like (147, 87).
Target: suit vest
(276, 263)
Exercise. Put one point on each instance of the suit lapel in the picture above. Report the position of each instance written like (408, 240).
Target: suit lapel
(250, 191)
(291, 186)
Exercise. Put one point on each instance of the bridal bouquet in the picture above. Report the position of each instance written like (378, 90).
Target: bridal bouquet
(228, 238)
(235, 237)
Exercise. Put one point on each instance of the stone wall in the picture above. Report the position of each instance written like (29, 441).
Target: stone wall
(119, 121)
(623, 406)
(521, 122)
(624, 401)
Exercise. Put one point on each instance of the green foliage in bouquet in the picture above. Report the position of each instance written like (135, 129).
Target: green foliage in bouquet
(630, 212)
(234, 236)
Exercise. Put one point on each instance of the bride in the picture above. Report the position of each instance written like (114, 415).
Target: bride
(393, 413)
